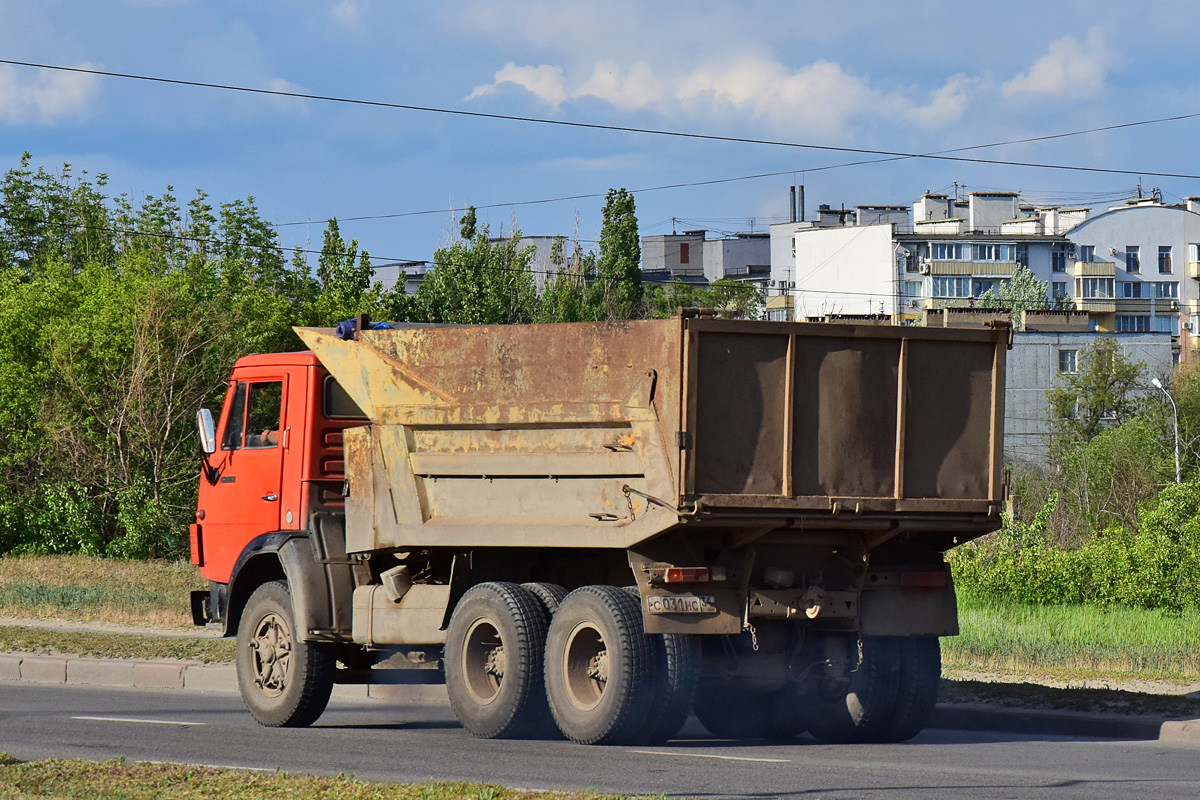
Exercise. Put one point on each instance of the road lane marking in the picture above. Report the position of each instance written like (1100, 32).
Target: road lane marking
(141, 721)
(709, 755)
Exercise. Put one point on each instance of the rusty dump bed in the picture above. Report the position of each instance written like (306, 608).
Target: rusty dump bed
(609, 434)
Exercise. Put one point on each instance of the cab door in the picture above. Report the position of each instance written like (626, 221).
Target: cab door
(245, 500)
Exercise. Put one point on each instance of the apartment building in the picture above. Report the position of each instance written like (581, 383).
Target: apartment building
(1134, 267)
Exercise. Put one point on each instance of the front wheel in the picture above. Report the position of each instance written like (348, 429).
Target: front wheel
(284, 682)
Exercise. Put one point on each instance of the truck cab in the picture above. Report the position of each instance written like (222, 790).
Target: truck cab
(277, 464)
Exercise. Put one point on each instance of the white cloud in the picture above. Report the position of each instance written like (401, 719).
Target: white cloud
(44, 96)
(347, 13)
(631, 90)
(288, 103)
(947, 104)
(817, 99)
(544, 81)
(1071, 68)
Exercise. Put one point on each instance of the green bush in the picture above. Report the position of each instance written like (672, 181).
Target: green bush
(1155, 566)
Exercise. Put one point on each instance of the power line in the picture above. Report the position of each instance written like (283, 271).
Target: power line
(891, 154)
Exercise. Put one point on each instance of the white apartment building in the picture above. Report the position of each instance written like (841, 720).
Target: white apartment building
(1134, 267)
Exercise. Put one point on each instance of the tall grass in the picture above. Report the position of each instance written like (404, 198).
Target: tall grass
(91, 589)
(1074, 641)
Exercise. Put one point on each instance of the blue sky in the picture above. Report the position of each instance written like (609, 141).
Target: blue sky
(912, 77)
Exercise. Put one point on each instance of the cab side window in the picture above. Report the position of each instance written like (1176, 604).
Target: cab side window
(264, 403)
(254, 416)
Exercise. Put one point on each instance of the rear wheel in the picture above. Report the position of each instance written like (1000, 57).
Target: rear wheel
(551, 594)
(599, 667)
(284, 682)
(866, 711)
(920, 676)
(729, 709)
(676, 672)
(493, 662)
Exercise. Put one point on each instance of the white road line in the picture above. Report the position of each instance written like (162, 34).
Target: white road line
(142, 721)
(709, 755)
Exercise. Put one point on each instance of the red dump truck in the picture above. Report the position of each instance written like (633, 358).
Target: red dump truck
(593, 529)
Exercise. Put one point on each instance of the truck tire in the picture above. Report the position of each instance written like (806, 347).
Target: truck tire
(284, 682)
(599, 667)
(677, 671)
(728, 709)
(920, 676)
(866, 711)
(493, 662)
(551, 594)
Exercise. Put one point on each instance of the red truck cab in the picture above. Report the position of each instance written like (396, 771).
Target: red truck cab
(277, 462)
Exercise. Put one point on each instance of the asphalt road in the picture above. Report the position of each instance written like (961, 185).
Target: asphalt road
(376, 741)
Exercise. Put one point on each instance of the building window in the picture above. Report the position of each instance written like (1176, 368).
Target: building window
(1166, 289)
(949, 251)
(684, 252)
(1165, 323)
(993, 285)
(1132, 324)
(1023, 255)
(1164, 259)
(1067, 361)
(1131, 290)
(994, 252)
(1058, 258)
(1058, 290)
(1133, 258)
(1087, 253)
(1094, 288)
(951, 287)
(912, 288)
(1194, 252)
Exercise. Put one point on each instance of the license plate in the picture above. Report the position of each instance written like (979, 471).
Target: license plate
(681, 604)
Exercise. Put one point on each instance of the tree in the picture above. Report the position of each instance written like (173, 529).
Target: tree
(617, 290)
(1099, 395)
(480, 281)
(1022, 292)
(730, 299)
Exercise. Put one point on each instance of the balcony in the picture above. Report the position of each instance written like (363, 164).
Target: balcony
(1096, 305)
(1142, 305)
(1094, 269)
(986, 268)
(1193, 269)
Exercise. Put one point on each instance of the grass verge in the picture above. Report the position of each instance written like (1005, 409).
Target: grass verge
(85, 588)
(20, 639)
(1074, 642)
(116, 780)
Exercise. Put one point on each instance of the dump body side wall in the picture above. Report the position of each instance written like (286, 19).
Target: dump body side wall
(606, 435)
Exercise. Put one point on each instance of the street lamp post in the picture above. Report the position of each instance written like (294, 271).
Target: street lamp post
(1157, 384)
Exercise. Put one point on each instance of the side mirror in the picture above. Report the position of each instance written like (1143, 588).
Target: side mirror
(208, 431)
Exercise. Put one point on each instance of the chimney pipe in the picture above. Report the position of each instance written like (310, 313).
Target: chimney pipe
(792, 203)
(800, 201)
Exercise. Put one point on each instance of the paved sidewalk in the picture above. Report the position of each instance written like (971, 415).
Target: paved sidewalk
(130, 673)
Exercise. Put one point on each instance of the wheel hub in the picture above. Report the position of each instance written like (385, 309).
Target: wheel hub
(272, 654)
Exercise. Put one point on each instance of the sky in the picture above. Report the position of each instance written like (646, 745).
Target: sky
(913, 77)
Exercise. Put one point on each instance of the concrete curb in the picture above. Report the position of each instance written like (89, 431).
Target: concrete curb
(121, 673)
(980, 717)
(135, 674)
